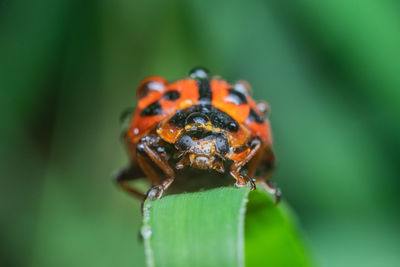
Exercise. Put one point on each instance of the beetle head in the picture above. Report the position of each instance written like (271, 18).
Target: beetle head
(201, 145)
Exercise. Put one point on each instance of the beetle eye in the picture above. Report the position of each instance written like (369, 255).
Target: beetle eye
(222, 144)
(244, 87)
(184, 142)
(150, 84)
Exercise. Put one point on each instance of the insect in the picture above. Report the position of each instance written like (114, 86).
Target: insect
(198, 122)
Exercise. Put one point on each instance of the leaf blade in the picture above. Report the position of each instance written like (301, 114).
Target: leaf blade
(271, 234)
(207, 229)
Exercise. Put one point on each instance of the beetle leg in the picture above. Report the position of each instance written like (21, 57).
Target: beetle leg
(156, 191)
(254, 163)
(239, 160)
(123, 177)
(158, 187)
(184, 161)
(148, 170)
(219, 166)
(263, 163)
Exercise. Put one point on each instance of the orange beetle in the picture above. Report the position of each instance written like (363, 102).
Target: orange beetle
(197, 122)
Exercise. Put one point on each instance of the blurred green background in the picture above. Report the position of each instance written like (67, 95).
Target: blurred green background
(329, 69)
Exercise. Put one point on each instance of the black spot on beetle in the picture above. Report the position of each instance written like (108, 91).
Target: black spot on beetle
(172, 95)
(222, 120)
(152, 109)
(205, 93)
(253, 116)
(236, 97)
(217, 117)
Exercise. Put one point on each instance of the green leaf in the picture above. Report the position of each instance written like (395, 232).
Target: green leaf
(225, 226)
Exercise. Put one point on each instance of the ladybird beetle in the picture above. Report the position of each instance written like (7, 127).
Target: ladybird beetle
(198, 122)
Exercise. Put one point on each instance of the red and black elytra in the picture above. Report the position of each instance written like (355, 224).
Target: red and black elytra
(197, 122)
